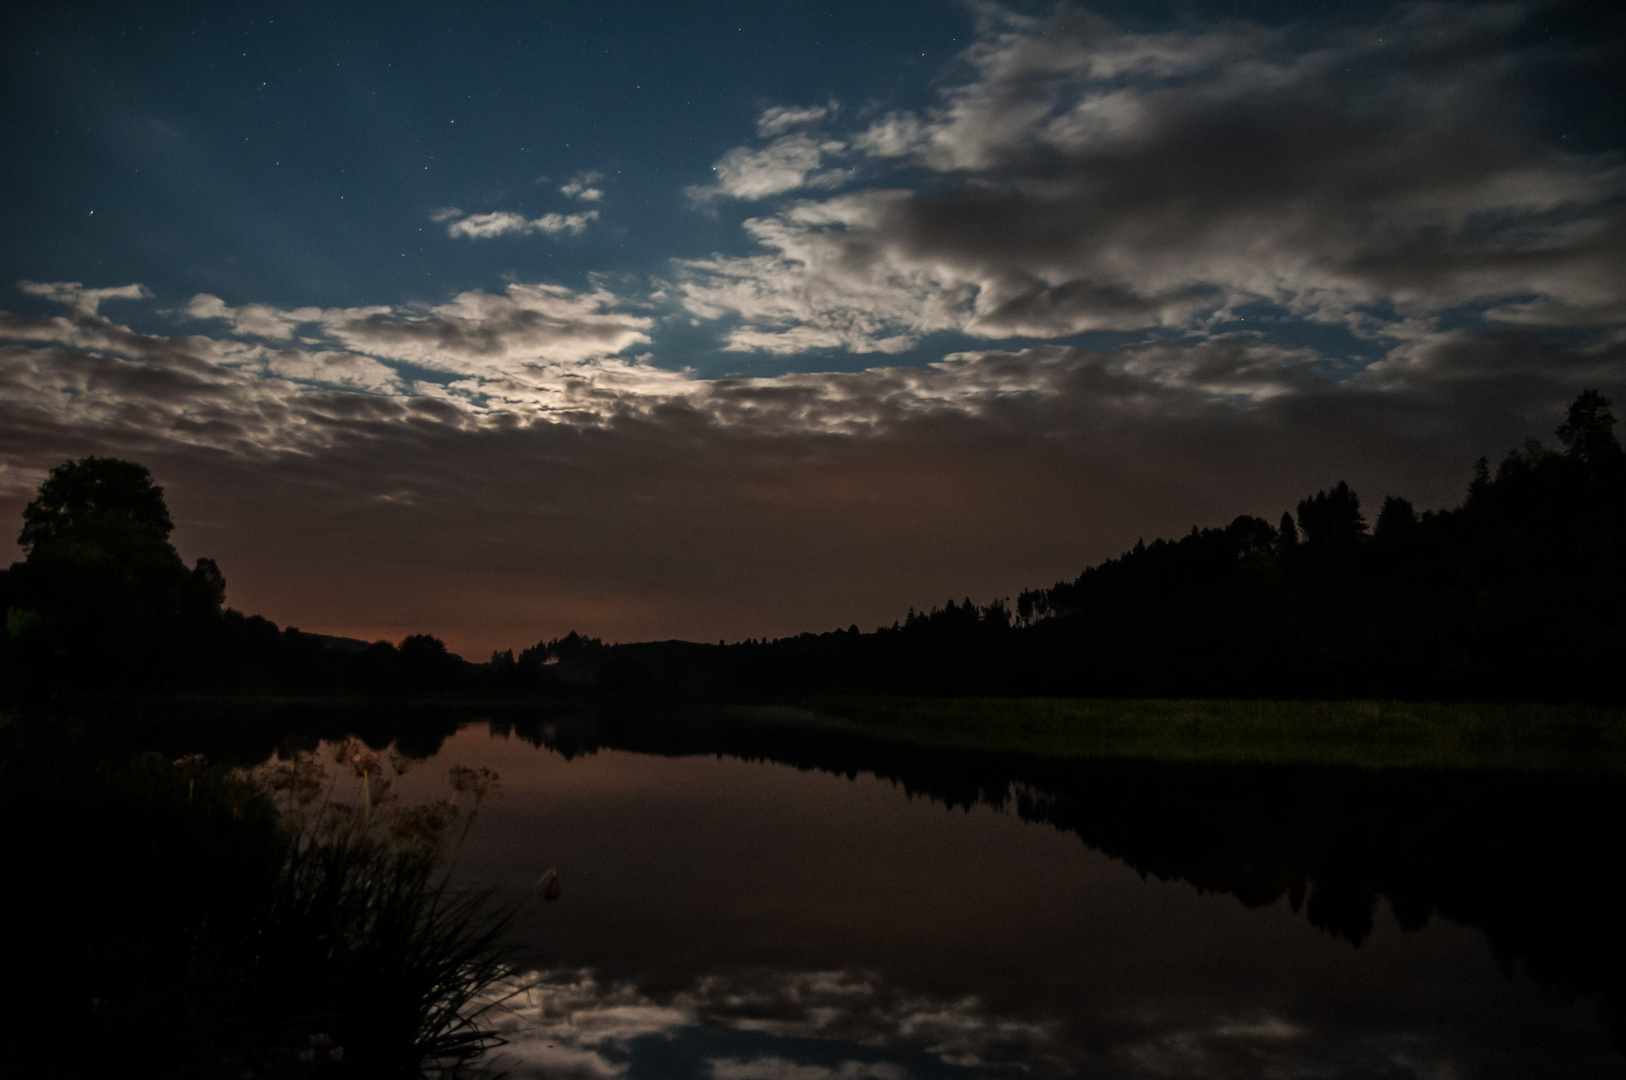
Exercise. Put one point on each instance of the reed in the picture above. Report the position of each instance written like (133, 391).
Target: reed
(366, 954)
(189, 919)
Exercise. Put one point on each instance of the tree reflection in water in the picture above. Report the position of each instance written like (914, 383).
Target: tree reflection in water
(710, 977)
(1527, 858)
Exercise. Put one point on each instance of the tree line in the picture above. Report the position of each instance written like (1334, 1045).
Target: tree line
(1517, 593)
(103, 602)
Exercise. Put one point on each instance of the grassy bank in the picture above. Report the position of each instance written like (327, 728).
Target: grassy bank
(1371, 734)
(1375, 734)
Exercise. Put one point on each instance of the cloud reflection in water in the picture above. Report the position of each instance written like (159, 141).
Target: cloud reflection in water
(795, 1025)
(842, 1025)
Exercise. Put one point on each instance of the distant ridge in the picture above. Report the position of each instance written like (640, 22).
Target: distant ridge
(340, 644)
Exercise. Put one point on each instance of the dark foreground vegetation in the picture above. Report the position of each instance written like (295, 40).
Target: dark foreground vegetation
(1519, 593)
(180, 918)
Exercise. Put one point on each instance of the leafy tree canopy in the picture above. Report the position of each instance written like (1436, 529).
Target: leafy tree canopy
(98, 502)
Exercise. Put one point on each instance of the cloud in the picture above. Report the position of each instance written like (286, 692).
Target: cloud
(814, 291)
(581, 187)
(82, 300)
(630, 500)
(775, 1068)
(535, 350)
(574, 224)
(529, 346)
(540, 352)
(781, 118)
(504, 223)
(255, 319)
(792, 161)
(485, 226)
(569, 1023)
(1225, 1048)
(1087, 177)
(335, 369)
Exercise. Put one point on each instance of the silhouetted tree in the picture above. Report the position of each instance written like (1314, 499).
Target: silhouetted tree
(1588, 431)
(1287, 533)
(1332, 520)
(102, 503)
(107, 598)
(1397, 521)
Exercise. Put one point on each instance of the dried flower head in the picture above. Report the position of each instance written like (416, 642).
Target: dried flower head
(364, 763)
(240, 789)
(301, 777)
(420, 829)
(481, 782)
(191, 766)
(403, 763)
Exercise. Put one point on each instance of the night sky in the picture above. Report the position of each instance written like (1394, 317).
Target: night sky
(727, 320)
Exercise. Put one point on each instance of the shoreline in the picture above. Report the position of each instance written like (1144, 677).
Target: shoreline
(1367, 734)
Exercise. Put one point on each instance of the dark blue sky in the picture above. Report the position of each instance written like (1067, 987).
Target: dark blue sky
(293, 154)
(1007, 286)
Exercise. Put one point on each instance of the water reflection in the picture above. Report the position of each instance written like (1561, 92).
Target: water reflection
(847, 1026)
(1527, 858)
(808, 1025)
(750, 900)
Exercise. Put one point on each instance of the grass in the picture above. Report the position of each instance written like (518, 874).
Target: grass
(1374, 734)
(369, 951)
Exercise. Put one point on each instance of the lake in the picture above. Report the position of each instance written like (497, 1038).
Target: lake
(760, 900)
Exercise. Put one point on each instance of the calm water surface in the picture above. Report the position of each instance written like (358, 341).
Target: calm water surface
(807, 908)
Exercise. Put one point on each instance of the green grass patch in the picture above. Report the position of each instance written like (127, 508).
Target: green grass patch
(1374, 734)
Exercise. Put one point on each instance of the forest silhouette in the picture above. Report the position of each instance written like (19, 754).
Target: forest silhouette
(1516, 594)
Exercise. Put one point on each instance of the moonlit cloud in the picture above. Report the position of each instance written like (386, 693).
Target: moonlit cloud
(792, 161)
(1262, 1046)
(782, 118)
(622, 498)
(526, 345)
(546, 353)
(505, 223)
(535, 349)
(479, 332)
(254, 319)
(774, 1068)
(485, 226)
(1104, 179)
(340, 370)
(82, 300)
(581, 187)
